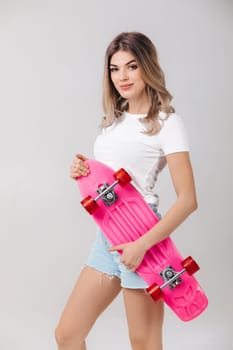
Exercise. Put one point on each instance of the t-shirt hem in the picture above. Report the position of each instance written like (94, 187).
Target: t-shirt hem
(169, 151)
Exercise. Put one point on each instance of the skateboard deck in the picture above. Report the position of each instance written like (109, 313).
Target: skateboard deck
(123, 216)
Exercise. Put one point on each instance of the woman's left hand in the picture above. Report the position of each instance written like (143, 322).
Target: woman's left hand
(132, 254)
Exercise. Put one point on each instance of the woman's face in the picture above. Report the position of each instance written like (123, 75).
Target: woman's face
(126, 75)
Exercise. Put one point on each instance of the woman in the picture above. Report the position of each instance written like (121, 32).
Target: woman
(141, 133)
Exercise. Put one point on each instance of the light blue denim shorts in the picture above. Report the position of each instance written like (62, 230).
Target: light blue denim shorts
(109, 262)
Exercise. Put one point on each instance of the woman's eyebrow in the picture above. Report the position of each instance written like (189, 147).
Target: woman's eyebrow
(111, 64)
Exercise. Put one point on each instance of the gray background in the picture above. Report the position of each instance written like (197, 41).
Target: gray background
(51, 65)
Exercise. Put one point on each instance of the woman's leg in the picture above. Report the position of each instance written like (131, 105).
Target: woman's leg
(93, 292)
(145, 319)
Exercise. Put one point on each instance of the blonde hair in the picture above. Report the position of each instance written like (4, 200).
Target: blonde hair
(144, 51)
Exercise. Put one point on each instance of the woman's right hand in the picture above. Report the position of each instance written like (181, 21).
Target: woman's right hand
(79, 167)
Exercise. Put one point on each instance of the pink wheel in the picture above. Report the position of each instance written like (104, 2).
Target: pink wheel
(190, 265)
(89, 204)
(122, 176)
(155, 292)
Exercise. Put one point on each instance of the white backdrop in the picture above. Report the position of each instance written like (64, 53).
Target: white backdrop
(51, 65)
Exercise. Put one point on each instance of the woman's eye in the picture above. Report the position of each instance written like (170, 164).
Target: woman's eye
(113, 70)
(133, 67)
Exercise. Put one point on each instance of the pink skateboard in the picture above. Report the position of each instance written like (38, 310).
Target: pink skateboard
(123, 216)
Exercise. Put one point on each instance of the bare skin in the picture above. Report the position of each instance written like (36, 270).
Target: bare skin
(92, 294)
(145, 320)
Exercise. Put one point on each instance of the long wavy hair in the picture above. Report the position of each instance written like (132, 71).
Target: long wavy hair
(144, 52)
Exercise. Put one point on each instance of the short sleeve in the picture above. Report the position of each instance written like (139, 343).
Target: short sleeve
(173, 135)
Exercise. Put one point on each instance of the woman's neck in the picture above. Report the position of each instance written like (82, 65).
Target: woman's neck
(139, 106)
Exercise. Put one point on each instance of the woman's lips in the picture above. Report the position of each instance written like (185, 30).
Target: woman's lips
(126, 87)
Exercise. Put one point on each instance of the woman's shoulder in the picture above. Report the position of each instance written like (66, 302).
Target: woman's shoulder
(173, 135)
(171, 120)
(169, 117)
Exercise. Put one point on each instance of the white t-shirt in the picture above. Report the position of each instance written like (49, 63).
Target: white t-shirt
(123, 145)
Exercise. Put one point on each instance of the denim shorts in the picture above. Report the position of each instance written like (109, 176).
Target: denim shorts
(109, 262)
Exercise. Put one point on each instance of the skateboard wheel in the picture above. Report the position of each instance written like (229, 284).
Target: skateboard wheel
(89, 204)
(190, 265)
(155, 292)
(122, 177)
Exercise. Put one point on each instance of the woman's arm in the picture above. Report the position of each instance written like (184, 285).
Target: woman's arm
(182, 177)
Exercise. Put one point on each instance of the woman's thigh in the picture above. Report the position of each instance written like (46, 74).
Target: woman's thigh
(145, 319)
(92, 293)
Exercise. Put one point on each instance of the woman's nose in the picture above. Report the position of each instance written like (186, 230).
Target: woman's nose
(123, 75)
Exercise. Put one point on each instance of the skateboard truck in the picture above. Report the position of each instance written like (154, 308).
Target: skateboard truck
(105, 191)
(172, 277)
